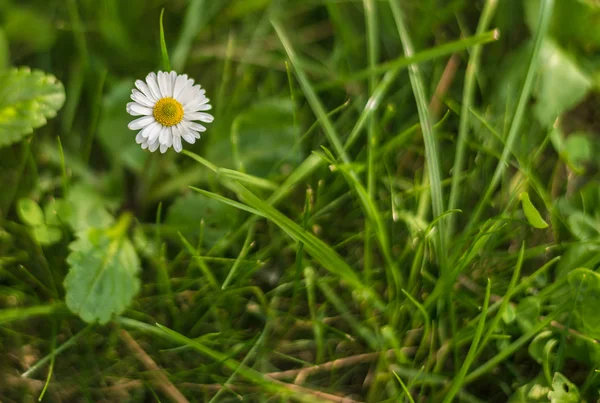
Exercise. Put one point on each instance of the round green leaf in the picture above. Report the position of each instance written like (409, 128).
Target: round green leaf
(30, 212)
(103, 278)
(27, 99)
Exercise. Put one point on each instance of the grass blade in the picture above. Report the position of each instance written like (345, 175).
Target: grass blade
(431, 153)
(163, 45)
(546, 8)
(458, 380)
(464, 125)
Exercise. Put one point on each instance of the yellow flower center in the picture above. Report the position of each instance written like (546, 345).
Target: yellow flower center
(168, 111)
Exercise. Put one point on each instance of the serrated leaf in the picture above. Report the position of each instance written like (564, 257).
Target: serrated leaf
(563, 390)
(102, 280)
(30, 212)
(27, 99)
(533, 216)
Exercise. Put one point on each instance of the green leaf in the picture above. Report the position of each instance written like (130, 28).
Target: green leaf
(533, 216)
(102, 279)
(265, 138)
(534, 391)
(116, 139)
(30, 212)
(562, 84)
(87, 209)
(47, 235)
(509, 314)
(528, 313)
(579, 254)
(578, 149)
(585, 286)
(563, 391)
(186, 213)
(583, 226)
(536, 347)
(27, 99)
(57, 212)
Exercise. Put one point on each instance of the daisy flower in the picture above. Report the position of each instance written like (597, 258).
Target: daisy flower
(169, 104)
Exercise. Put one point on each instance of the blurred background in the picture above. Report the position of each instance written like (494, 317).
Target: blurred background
(208, 270)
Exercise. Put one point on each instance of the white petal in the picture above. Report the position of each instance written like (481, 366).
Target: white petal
(201, 116)
(144, 145)
(189, 137)
(153, 131)
(180, 84)
(165, 133)
(196, 108)
(143, 87)
(191, 94)
(140, 123)
(164, 84)
(153, 85)
(170, 136)
(183, 130)
(177, 143)
(135, 109)
(196, 126)
(163, 148)
(139, 138)
(146, 131)
(141, 99)
(153, 146)
(172, 77)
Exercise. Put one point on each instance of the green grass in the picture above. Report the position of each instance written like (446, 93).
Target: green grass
(334, 236)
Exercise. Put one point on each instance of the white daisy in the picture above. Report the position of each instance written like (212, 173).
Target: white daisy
(168, 104)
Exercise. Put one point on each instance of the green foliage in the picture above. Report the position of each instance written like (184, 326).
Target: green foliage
(585, 291)
(576, 150)
(533, 215)
(263, 142)
(27, 99)
(86, 209)
(562, 83)
(28, 28)
(103, 274)
(112, 130)
(43, 226)
(188, 212)
(563, 390)
(332, 234)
